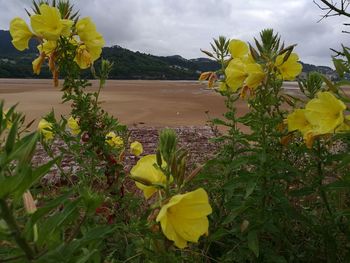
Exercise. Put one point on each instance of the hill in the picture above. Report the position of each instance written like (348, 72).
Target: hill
(127, 64)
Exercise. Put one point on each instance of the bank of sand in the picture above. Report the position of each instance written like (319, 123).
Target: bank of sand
(133, 102)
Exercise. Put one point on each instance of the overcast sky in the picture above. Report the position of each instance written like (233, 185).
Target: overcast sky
(182, 27)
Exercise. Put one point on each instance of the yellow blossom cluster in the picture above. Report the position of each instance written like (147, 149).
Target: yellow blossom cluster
(50, 28)
(114, 141)
(244, 72)
(183, 218)
(321, 115)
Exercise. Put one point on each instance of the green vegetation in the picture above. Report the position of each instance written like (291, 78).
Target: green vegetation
(127, 64)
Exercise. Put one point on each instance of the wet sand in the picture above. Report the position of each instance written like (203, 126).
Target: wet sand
(133, 102)
(140, 103)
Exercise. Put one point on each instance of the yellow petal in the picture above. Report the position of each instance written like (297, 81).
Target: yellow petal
(297, 121)
(49, 24)
(170, 232)
(136, 148)
(145, 169)
(37, 63)
(190, 229)
(184, 217)
(20, 33)
(238, 48)
(235, 74)
(325, 113)
(66, 27)
(345, 127)
(255, 75)
(113, 140)
(83, 58)
(290, 68)
(44, 128)
(73, 126)
(85, 29)
(47, 47)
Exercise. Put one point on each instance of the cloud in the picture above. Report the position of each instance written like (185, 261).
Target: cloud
(184, 26)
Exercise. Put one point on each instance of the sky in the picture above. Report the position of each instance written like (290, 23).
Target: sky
(183, 27)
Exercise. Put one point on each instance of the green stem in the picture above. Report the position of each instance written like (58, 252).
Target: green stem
(320, 179)
(57, 163)
(76, 230)
(98, 93)
(7, 215)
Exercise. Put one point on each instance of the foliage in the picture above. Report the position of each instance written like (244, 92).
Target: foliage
(278, 190)
(276, 198)
(92, 213)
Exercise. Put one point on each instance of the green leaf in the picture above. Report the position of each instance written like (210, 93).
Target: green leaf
(30, 177)
(24, 149)
(56, 221)
(340, 67)
(234, 213)
(48, 207)
(217, 121)
(87, 256)
(343, 82)
(253, 242)
(329, 83)
(96, 233)
(307, 190)
(250, 188)
(338, 185)
(11, 138)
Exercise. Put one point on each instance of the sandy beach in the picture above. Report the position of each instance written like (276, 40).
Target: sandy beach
(134, 102)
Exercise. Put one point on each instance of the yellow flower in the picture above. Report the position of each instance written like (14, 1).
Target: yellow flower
(114, 141)
(73, 126)
(145, 170)
(136, 148)
(92, 43)
(44, 128)
(184, 217)
(290, 68)
(235, 74)
(37, 63)
(49, 25)
(20, 33)
(83, 57)
(255, 75)
(47, 47)
(297, 121)
(325, 113)
(86, 29)
(238, 48)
